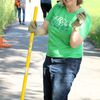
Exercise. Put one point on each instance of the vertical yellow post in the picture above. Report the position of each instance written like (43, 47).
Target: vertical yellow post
(28, 57)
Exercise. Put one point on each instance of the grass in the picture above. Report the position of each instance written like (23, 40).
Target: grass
(7, 13)
(93, 8)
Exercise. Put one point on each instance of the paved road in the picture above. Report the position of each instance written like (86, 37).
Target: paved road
(12, 67)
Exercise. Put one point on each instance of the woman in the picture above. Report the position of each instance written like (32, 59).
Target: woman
(67, 25)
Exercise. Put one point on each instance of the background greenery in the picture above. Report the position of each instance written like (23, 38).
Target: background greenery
(7, 13)
(92, 6)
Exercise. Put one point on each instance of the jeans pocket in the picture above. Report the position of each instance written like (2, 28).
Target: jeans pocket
(76, 65)
(73, 65)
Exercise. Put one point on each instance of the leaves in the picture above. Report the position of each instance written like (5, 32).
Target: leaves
(7, 13)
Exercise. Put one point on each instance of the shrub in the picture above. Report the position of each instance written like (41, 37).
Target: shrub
(7, 13)
(95, 31)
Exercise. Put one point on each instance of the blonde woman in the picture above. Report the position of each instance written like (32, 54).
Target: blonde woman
(67, 25)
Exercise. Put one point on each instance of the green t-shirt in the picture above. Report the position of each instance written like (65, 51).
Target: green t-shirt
(59, 31)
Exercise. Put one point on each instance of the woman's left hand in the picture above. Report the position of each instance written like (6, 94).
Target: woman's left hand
(80, 19)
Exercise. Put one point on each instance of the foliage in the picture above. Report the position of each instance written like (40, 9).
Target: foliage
(92, 6)
(7, 13)
(95, 31)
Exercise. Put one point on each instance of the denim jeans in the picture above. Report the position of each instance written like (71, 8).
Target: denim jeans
(19, 14)
(58, 75)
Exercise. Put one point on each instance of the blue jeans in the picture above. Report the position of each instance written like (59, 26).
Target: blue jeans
(58, 75)
(19, 14)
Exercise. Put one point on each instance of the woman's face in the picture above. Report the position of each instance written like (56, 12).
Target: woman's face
(69, 3)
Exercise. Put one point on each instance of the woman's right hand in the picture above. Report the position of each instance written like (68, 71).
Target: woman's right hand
(32, 28)
(38, 30)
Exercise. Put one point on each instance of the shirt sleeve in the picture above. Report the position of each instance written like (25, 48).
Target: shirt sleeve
(85, 28)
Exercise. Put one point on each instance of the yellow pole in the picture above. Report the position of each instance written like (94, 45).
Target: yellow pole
(28, 57)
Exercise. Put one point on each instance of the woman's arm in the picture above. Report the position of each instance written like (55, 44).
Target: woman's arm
(43, 29)
(75, 39)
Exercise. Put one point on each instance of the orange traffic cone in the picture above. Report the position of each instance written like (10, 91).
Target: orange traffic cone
(3, 44)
